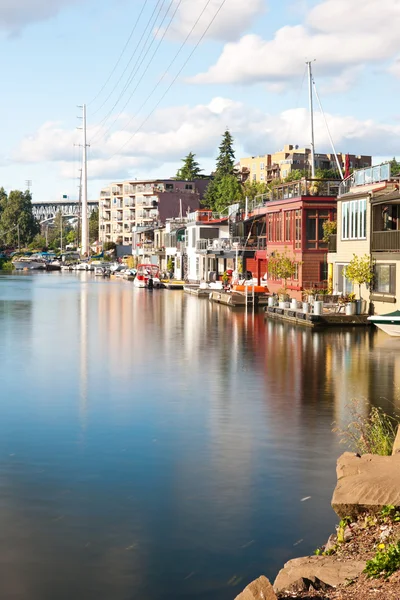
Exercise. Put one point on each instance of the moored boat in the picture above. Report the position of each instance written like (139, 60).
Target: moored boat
(29, 263)
(389, 323)
(147, 275)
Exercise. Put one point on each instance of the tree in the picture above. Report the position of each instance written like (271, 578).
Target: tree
(327, 173)
(17, 218)
(229, 191)
(225, 188)
(190, 169)
(282, 266)
(94, 226)
(251, 189)
(394, 167)
(359, 270)
(295, 175)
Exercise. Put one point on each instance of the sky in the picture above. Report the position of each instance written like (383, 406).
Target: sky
(162, 78)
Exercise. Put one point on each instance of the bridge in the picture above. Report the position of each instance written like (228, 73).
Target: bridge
(43, 211)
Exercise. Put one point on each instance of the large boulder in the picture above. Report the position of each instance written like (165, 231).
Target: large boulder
(259, 589)
(366, 483)
(396, 445)
(323, 570)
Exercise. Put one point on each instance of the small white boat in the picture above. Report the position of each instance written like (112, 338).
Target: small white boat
(29, 263)
(389, 323)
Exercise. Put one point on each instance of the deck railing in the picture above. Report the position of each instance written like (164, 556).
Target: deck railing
(386, 240)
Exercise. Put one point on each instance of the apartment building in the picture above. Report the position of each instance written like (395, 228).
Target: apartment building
(145, 204)
(279, 165)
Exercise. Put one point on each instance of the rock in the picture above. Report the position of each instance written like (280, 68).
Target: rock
(305, 584)
(348, 534)
(366, 483)
(327, 569)
(331, 543)
(259, 589)
(396, 445)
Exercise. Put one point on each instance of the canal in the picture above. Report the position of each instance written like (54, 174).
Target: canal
(156, 446)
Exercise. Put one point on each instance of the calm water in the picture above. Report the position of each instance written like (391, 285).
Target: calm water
(155, 446)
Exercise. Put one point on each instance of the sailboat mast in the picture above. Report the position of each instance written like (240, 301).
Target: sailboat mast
(310, 91)
(85, 229)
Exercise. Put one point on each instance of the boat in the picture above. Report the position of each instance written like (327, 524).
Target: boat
(29, 263)
(54, 265)
(172, 284)
(147, 275)
(389, 323)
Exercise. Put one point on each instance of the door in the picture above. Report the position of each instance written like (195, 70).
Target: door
(342, 285)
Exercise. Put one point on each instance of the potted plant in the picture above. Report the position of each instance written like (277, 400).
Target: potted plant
(359, 271)
(225, 279)
(350, 301)
(283, 267)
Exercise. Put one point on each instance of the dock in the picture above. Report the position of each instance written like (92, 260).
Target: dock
(298, 317)
(238, 299)
(195, 290)
(172, 284)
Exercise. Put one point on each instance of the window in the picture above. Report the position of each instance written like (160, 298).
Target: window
(354, 220)
(296, 272)
(288, 225)
(262, 166)
(315, 220)
(284, 173)
(270, 228)
(188, 186)
(254, 167)
(169, 186)
(254, 177)
(385, 279)
(278, 227)
(298, 229)
(262, 177)
(323, 271)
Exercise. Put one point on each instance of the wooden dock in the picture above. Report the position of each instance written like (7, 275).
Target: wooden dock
(172, 284)
(238, 299)
(196, 290)
(297, 317)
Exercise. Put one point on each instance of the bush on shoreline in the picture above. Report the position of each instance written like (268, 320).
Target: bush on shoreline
(6, 265)
(373, 433)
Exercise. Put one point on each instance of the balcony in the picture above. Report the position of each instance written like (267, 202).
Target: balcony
(332, 243)
(386, 241)
(220, 245)
(366, 176)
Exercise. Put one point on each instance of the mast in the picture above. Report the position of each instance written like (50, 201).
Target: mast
(84, 215)
(311, 119)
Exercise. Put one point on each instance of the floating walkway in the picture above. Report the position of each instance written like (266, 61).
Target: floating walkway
(238, 299)
(298, 317)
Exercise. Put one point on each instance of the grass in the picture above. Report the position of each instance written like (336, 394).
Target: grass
(371, 434)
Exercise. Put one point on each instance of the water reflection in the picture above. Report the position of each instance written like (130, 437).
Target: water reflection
(154, 445)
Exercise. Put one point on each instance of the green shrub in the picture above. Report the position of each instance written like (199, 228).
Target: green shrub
(384, 563)
(371, 434)
(6, 265)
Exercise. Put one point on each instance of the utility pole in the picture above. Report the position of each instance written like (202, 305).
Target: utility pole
(84, 211)
(310, 90)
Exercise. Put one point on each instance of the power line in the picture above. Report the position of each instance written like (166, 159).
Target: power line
(147, 66)
(120, 57)
(173, 81)
(135, 68)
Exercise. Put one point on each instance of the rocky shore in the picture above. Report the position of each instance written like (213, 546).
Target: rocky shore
(361, 559)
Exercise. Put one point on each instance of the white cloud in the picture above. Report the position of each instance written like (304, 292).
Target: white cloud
(15, 14)
(175, 131)
(234, 18)
(338, 34)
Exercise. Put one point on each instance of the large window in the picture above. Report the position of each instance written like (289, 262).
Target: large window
(288, 225)
(385, 279)
(315, 220)
(354, 220)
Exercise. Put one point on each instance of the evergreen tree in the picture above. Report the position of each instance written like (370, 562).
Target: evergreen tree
(17, 211)
(190, 169)
(225, 188)
(94, 226)
(394, 167)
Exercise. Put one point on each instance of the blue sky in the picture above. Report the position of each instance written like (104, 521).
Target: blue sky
(247, 74)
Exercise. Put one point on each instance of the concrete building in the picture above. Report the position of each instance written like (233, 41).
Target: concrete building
(280, 164)
(145, 204)
(368, 217)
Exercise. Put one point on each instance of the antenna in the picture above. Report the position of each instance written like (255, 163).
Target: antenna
(308, 63)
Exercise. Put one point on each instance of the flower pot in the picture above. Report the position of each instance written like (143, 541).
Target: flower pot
(293, 304)
(350, 309)
(271, 301)
(318, 307)
(361, 307)
(282, 304)
(306, 307)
